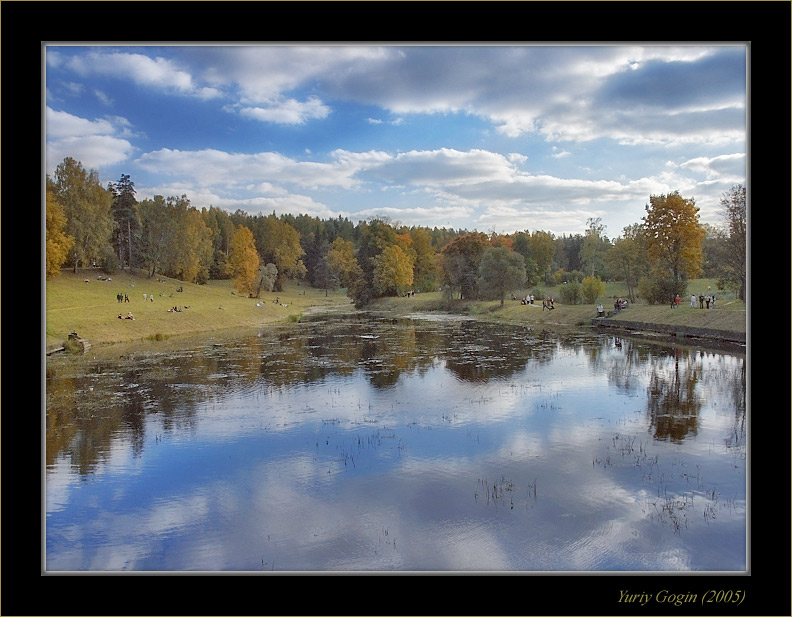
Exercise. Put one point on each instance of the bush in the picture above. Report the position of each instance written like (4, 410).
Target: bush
(660, 291)
(571, 293)
(592, 288)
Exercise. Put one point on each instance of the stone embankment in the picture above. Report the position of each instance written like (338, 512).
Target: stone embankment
(672, 331)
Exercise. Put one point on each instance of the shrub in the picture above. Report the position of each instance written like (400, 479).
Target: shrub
(660, 291)
(571, 293)
(592, 288)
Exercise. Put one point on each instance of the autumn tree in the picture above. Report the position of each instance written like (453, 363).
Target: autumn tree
(461, 259)
(58, 242)
(279, 243)
(591, 288)
(343, 263)
(393, 271)
(500, 270)
(542, 251)
(194, 240)
(86, 205)
(243, 261)
(374, 237)
(673, 243)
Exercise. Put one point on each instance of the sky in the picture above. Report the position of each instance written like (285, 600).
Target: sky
(494, 138)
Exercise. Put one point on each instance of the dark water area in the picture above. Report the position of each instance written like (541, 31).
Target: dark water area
(381, 445)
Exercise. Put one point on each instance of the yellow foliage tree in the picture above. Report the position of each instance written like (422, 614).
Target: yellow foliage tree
(59, 243)
(393, 271)
(342, 262)
(243, 260)
(674, 237)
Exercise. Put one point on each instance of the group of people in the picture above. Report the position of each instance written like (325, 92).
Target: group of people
(618, 305)
(707, 301)
(129, 315)
(176, 309)
(122, 297)
(548, 303)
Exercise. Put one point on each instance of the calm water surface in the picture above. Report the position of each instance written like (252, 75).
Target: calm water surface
(411, 445)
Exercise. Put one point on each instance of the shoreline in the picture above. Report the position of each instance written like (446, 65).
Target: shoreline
(216, 311)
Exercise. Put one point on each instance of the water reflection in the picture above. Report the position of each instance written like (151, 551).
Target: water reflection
(415, 444)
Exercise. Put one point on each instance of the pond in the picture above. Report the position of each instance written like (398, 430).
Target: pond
(375, 444)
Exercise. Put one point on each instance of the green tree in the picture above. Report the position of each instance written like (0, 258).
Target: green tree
(157, 232)
(393, 271)
(87, 207)
(58, 242)
(733, 264)
(243, 261)
(127, 220)
(222, 228)
(374, 236)
(627, 259)
(572, 292)
(500, 270)
(594, 247)
(673, 243)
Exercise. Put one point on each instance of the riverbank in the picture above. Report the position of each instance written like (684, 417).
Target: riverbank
(727, 323)
(87, 303)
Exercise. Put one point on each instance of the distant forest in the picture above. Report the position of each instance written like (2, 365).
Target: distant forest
(88, 224)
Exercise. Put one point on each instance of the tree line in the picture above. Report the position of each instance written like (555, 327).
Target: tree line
(88, 225)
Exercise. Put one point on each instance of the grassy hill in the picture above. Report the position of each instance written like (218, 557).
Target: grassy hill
(85, 304)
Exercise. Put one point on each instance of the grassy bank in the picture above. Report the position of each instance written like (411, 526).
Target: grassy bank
(729, 315)
(91, 308)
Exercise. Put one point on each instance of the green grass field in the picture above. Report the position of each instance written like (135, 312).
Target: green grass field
(729, 315)
(91, 308)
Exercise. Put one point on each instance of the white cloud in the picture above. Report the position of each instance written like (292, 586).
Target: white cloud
(211, 167)
(93, 151)
(160, 73)
(730, 167)
(289, 111)
(94, 143)
(61, 124)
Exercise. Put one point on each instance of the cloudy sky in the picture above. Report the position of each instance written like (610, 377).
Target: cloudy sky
(487, 137)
